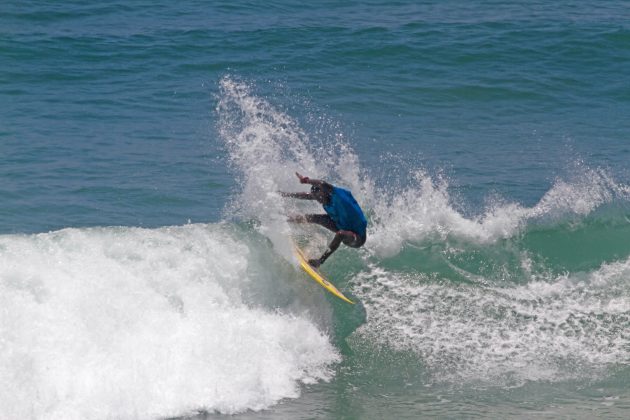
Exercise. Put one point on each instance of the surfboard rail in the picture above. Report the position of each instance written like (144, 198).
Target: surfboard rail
(317, 276)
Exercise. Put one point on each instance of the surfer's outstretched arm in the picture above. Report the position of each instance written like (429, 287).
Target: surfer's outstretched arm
(317, 182)
(308, 196)
(301, 195)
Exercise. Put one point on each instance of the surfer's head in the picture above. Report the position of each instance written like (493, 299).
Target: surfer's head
(321, 192)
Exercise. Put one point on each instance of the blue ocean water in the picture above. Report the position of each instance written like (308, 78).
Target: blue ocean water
(145, 265)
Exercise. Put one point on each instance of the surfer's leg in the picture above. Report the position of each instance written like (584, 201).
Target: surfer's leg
(332, 247)
(353, 239)
(318, 219)
(322, 220)
(348, 237)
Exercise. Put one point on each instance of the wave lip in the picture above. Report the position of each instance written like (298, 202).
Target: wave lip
(425, 211)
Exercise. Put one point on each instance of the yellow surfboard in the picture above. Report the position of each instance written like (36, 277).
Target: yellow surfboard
(316, 275)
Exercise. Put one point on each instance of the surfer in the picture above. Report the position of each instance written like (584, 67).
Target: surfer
(343, 215)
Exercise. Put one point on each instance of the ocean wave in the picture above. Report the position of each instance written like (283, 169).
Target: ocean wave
(424, 211)
(493, 297)
(266, 147)
(139, 323)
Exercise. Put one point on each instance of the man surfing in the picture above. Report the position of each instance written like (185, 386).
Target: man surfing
(343, 215)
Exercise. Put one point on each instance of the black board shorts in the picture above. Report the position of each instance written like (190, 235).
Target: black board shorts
(356, 242)
(326, 221)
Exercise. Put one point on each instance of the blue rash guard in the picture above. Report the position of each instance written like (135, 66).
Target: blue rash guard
(344, 210)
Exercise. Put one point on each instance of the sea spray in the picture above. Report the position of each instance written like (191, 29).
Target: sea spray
(266, 147)
(424, 211)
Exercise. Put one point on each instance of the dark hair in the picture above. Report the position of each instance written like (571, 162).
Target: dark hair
(315, 189)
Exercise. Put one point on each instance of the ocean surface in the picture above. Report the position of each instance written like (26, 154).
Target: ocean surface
(146, 270)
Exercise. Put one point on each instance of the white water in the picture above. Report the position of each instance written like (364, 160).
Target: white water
(425, 210)
(570, 327)
(137, 323)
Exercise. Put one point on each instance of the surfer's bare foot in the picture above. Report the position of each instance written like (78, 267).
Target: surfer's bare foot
(314, 263)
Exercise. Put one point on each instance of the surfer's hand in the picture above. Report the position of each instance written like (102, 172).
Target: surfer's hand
(315, 263)
(303, 179)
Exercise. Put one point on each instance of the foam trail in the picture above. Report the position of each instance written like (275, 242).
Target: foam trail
(137, 323)
(547, 330)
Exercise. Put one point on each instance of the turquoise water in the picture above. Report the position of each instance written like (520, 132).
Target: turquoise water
(145, 266)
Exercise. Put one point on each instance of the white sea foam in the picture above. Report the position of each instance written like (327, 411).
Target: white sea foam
(425, 210)
(587, 190)
(138, 323)
(568, 327)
